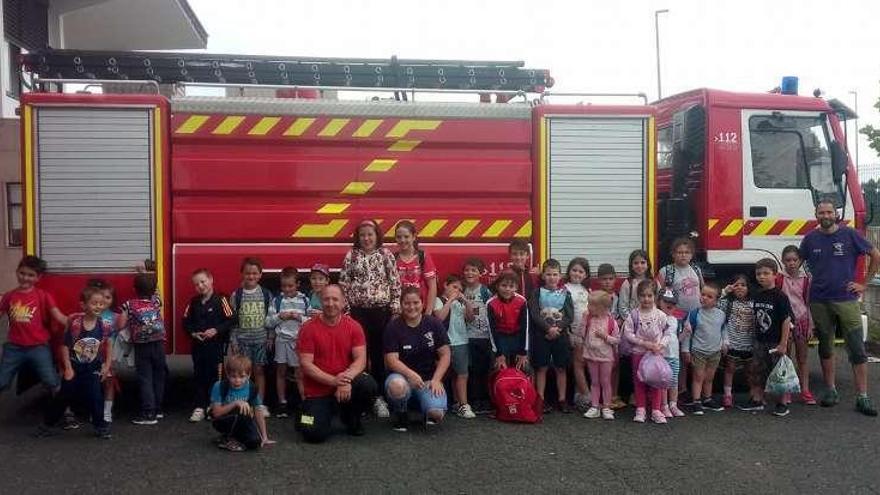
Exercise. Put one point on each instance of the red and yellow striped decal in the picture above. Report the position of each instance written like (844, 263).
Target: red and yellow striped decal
(762, 227)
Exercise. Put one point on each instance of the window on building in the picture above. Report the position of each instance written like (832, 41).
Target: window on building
(13, 214)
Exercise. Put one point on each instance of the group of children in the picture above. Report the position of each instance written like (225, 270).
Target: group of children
(694, 325)
(525, 321)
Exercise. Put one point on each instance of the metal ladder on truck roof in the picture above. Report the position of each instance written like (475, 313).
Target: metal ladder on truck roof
(180, 67)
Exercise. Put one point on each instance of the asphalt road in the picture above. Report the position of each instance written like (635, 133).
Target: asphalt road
(813, 450)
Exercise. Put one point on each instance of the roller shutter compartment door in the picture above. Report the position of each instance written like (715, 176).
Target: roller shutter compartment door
(94, 188)
(597, 189)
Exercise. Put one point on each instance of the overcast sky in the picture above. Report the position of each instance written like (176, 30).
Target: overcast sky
(591, 46)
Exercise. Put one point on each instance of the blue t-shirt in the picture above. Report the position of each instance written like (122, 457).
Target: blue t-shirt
(552, 298)
(832, 261)
(85, 346)
(234, 394)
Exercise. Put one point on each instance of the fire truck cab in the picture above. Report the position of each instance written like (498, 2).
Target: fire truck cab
(742, 173)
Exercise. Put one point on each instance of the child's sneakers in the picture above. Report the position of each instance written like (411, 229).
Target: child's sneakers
(593, 413)
(197, 415)
(658, 417)
(607, 413)
(712, 405)
(640, 415)
(780, 410)
(751, 405)
(143, 419)
(282, 410)
(864, 406)
(667, 411)
(830, 398)
(401, 422)
(808, 398)
(465, 411)
(380, 408)
(697, 408)
(727, 401)
(673, 408)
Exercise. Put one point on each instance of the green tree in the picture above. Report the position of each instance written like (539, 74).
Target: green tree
(871, 191)
(872, 134)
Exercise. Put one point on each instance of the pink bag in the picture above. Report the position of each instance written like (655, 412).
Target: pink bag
(654, 371)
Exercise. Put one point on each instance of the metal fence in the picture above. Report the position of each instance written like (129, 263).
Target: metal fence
(872, 293)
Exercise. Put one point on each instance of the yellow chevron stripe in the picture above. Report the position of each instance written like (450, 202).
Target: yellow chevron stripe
(263, 127)
(329, 229)
(525, 230)
(404, 145)
(192, 124)
(333, 127)
(367, 128)
(333, 208)
(793, 227)
(358, 188)
(497, 228)
(228, 125)
(403, 127)
(464, 228)
(432, 227)
(380, 165)
(764, 226)
(712, 223)
(733, 228)
(299, 126)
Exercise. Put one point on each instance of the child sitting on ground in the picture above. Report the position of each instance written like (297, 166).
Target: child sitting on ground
(235, 407)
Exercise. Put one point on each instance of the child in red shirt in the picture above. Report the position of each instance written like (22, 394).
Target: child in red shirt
(30, 311)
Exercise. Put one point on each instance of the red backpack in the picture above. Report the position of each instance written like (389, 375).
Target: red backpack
(514, 397)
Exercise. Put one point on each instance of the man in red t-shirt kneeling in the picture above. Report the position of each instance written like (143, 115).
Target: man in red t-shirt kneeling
(333, 355)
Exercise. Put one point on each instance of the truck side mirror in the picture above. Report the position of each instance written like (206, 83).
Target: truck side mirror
(839, 161)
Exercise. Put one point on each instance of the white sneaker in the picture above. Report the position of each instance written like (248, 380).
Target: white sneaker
(197, 415)
(676, 412)
(380, 407)
(592, 413)
(465, 411)
(658, 417)
(640, 415)
(108, 417)
(607, 413)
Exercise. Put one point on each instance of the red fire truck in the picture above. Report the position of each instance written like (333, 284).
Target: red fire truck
(203, 181)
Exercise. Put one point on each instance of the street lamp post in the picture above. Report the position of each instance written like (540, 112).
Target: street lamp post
(856, 105)
(657, 45)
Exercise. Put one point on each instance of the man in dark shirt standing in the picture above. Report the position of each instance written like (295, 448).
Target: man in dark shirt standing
(832, 252)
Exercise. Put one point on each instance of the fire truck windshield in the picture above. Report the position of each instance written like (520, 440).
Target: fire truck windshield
(793, 152)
